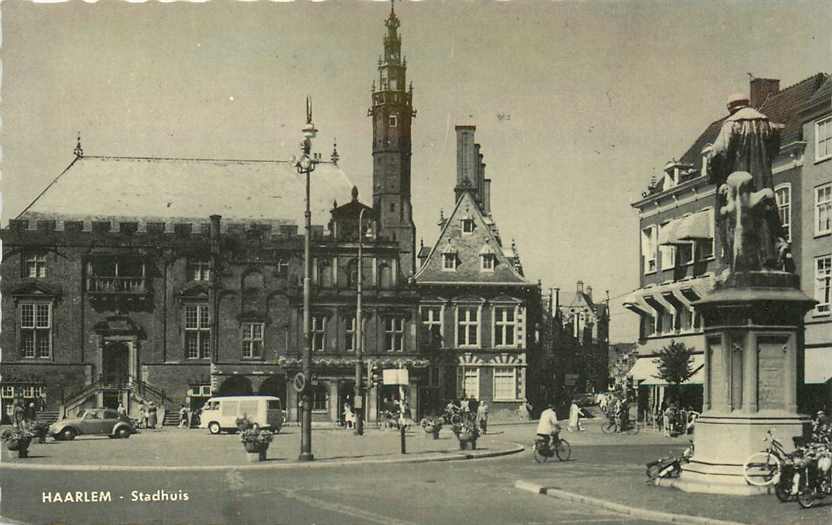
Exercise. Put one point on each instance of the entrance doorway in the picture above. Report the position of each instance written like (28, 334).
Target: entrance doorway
(115, 364)
(112, 399)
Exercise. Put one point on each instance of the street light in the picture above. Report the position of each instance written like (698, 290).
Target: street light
(359, 352)
(305, 166)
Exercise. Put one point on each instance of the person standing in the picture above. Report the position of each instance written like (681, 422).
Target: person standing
(183, 416)
(575, 414)
(482, 416)
(121, 410)
(19, 415)
(143, 416)
(151, 416)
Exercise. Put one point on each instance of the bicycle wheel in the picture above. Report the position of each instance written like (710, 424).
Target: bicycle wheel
(608, 427)
(806, 496)
(563, 450)
(761, 469)
(538, 456)
(653, 471)
(456, 419)
(783, 491)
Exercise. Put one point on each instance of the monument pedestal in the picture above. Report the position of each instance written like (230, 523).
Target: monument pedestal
(753, 364)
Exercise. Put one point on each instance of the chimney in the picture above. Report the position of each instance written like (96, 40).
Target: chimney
(486, 194)
(476, 159)
(214, 233)
(464, 156)
(580, 286)
(761, 89)
(589, 292)
(480, 177)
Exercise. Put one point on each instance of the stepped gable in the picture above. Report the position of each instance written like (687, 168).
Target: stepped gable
(163, 189)
(469, 247)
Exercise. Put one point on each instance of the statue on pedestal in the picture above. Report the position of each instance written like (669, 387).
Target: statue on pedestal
(751, 234)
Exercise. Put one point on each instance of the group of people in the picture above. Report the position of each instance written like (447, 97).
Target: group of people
(25, 414)
(617, 409)
(148, 415)
(676, 420)
(471, 409)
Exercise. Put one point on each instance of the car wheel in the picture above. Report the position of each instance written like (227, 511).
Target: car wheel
(68, 434)
(214, 428)
(123, 433)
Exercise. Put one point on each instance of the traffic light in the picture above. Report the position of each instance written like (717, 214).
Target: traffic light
(375, 375)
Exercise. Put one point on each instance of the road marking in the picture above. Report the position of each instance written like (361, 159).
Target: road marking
(343, 509)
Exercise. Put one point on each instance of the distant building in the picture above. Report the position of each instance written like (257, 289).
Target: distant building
(622, 359)
(678, 259)
(475, 303)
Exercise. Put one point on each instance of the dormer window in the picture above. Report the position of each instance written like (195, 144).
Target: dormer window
(35, 266)
(467, 225)
(393, 121)
(487, 262)
(449, 262)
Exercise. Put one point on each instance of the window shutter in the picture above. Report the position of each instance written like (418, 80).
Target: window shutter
(521, 326)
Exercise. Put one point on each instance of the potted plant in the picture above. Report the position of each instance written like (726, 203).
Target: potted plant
(432, 425)
(18, 440)
(467, 434)
(256, 442)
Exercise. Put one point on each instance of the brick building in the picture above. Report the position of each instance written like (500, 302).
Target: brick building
(479, 310)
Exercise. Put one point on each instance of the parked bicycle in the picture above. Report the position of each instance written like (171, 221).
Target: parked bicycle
(543, 450)
(622, 426)
(763, 469)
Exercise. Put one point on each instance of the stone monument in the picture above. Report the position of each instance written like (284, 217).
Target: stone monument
(753, 319)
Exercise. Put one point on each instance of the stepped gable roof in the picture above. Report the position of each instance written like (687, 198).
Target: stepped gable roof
(467, 247)
(164, 189)
(781, 107)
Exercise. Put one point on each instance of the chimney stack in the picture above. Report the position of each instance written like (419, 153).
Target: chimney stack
(465, 154)
(761, 89)
(580, 286)
(589, 292)
(486, 194)
(214, 233)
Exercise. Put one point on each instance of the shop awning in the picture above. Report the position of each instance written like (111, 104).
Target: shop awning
(695, 226)
(818, 365)
(647, 301)
(644, 368)
(697, 378)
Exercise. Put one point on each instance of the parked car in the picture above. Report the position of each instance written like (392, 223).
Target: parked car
(221, 413)
(92, 422)
(586, 399)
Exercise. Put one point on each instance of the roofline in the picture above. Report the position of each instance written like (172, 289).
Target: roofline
(670, 191)
(55, 180)
(475, 283)
(191, 159)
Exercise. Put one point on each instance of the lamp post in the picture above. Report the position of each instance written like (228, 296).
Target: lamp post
(305, 166)
(359, 345)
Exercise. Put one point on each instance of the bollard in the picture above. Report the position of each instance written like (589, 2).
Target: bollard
(404, 448)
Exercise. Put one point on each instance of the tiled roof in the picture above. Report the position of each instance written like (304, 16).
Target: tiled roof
(781, 107)
(467, 247)
(162, 189)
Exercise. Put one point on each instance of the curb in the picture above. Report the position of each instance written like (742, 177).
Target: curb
(434, 457)
(618, 507)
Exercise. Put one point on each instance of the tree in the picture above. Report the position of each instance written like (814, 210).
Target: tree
(675, 363)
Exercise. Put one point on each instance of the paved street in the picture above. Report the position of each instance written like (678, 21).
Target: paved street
(475, 491)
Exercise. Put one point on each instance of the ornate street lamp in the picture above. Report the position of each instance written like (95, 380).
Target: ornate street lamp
(359, 351)
(305, 166)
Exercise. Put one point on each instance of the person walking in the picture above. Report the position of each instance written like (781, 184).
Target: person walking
(19, 415)
(183, 416)
(151, 416)
(482, 416)
(575, 414)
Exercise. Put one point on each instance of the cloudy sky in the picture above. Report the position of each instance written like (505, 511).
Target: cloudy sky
(576, 104)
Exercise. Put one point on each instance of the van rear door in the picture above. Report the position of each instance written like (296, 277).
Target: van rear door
(274, 411)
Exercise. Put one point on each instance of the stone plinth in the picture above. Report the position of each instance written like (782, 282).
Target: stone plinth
(753, 364)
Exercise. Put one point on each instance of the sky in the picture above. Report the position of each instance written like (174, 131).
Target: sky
(577, 104)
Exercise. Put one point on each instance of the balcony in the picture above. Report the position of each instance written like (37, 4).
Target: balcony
(116, 285)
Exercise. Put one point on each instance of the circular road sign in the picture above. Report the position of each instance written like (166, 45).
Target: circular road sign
(299, 382)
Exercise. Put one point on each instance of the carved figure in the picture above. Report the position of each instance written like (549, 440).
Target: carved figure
(739, 165)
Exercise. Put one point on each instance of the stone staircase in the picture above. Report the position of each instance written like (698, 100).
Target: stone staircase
(171, 418)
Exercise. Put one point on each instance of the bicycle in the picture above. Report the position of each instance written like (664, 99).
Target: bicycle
(614, 427)
(763, 469)
(542, 450)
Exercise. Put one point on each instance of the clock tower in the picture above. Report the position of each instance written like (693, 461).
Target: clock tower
(392, 113)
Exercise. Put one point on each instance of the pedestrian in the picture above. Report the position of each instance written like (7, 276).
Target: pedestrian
(19, 415)
(473, 405)
(482, 416)
(30, 414)
(529, 409)
(575, 414)
(667, 419)
(151, 416)
(183, 416)
(143, 416)
(349, 416)
(121, 410)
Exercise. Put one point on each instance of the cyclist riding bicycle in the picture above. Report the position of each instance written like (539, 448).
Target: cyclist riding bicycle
(548, 426)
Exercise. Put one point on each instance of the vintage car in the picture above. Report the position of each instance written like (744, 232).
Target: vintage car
(93, 421)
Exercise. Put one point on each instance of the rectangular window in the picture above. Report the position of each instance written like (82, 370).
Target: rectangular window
(823, 139)
(8, 392)
(685, 252)
(393, 121)
(783, 195)
(36, 330)
(706, 246)
(394, 334)
(471, 383)
(505, 383)
(667, 253)
(197, 332)
(432, 323)
(467, 225)
(823, 274)
(468, 326)
(252, 340)
(823, 209)
(318, 333)
(36, 266)
(200, 271)
(487, 262)
(648, 249)
(434, 376)
(449, 262)
(29, 391)
(349, 333)
(504, 327)
(319, 398)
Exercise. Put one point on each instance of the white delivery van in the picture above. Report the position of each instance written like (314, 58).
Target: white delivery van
(221, 413)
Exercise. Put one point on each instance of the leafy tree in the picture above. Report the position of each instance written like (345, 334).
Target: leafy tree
(675, 363)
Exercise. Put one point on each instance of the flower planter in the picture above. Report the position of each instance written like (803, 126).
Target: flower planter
(256, 451)
(21, 445)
